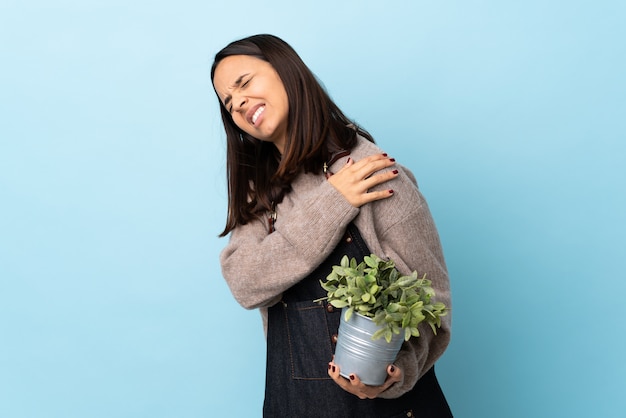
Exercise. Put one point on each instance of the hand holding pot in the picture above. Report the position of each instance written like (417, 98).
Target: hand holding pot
(363, 391)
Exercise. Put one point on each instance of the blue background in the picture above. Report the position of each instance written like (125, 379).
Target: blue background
(112, 192)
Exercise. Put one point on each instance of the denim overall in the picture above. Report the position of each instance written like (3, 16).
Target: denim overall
(301, 341)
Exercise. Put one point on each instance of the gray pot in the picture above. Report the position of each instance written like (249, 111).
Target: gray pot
(356, 352)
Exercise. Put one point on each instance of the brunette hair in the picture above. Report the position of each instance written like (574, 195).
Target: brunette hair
(258, 176)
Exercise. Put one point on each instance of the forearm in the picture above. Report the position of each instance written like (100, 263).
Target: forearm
(413, 243)
(259, 266)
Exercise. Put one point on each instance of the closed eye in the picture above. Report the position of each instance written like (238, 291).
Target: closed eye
(238, 84)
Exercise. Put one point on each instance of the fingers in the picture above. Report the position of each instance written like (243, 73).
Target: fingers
(368, 165)
(352, 385)
(358, 388)
(373, 181)
(372, 196)
(395, 375)
(355, 180)
(371, 392)
(333, 372)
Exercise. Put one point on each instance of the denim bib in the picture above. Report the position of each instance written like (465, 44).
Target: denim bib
(301, 340)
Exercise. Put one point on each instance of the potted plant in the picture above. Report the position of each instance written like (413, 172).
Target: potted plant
(377, 301)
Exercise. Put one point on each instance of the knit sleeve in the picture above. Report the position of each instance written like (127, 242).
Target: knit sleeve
(411, 239)
(259, 266)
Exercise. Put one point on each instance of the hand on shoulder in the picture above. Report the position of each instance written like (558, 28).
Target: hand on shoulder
(355, 179)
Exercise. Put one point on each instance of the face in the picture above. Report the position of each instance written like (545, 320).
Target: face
(251, 90)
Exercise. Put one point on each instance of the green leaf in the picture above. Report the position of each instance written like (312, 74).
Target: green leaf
(379, 333)
(375, 288)
(364, 308)
(419, 317)
(393, 307)
(406, 320)
(360, 282)
(395, 317)
(417, 306)
(337, 303)
(379, 318)
(348, 314)
(371, 261)
(407, 334)
(353, 263)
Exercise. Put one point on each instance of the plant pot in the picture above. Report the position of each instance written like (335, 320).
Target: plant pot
(356, 352)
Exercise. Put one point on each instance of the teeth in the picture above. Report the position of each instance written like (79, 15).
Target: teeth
(257, 113)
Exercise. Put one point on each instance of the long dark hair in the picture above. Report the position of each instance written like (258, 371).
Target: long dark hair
(258, 176)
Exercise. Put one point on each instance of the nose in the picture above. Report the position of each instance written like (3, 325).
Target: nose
(239, 102)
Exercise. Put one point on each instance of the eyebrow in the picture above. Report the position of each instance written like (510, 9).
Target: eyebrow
(237, 83)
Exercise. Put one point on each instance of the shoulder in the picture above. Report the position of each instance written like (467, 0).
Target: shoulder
(364, 148)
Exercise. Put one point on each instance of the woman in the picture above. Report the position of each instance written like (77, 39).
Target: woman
(305, 187)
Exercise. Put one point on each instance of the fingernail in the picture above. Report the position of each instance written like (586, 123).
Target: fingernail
(348, 160)
(392, 159)
(392, 369)
(351, 377)
(390, 191)
(328, 366)
(333, 369)
(384, 154)
(395, 171)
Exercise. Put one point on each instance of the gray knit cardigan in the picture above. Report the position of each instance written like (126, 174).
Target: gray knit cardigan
(310, 222)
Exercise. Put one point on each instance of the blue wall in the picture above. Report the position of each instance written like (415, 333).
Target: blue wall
(511, 115)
